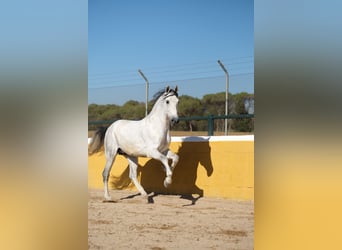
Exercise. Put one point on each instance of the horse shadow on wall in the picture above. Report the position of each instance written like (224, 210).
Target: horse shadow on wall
(192, 155)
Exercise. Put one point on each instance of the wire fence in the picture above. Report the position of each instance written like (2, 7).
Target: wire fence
(195, 87)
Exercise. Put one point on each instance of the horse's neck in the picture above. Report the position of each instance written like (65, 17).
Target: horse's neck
(158, 117)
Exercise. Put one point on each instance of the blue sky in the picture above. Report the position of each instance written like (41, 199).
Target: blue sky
(172, 42)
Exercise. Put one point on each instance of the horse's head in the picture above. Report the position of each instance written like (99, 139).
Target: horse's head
(170, 103)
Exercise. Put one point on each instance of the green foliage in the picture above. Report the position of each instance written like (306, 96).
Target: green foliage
(246, 124)
(103, 112)
(133, 110)
(189, 106)
(211, 104)
(214, 103)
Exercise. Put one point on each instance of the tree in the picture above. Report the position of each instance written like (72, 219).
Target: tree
(243, 124)
(215, 104)
(190, 106)
(133, 110)
(103, 112)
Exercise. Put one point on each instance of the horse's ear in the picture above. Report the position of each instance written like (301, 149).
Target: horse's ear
(176, 89)
(167, 89)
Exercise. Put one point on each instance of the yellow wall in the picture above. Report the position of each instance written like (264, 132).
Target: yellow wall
(212, 168)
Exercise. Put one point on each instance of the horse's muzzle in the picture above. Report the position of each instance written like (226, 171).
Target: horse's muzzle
(174, 121)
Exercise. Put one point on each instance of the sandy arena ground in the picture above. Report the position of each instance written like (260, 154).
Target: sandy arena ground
(168, 222)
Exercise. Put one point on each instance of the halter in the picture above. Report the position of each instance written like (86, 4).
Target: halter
(170, 93)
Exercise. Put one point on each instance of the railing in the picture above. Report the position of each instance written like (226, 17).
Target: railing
(209, 118)
(212, 118)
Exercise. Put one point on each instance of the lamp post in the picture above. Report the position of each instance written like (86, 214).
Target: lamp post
(227, 89)
(142, 74)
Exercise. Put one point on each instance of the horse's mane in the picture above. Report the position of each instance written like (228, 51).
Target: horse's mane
(158, 94)
(161, 92)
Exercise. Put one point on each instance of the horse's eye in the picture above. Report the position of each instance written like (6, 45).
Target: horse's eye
(167, 102)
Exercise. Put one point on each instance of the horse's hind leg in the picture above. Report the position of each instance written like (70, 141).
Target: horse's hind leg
(110, 157)
(133, 167)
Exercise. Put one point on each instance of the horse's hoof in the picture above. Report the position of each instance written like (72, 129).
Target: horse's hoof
(151, 194)
(167, 181)
(108, 199)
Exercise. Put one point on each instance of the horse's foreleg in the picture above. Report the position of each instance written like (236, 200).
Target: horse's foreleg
(133, 167)
(155, 154)
(174, 157)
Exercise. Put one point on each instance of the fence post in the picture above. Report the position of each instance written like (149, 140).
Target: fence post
(210, 125)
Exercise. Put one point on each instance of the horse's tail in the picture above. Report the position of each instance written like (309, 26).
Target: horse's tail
(97, 140)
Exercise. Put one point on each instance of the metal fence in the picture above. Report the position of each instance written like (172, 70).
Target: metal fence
(196, 87)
